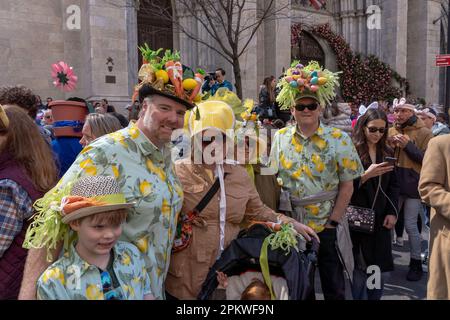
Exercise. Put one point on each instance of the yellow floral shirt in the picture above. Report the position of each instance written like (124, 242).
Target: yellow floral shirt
(307, 166)
(147, 177)
(72, 278)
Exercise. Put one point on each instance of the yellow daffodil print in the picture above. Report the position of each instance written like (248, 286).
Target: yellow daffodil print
(118, 137)
(336, 133)
(165, 208)
(156, 170)
(320, 166)
(320, 131)
(317, 228)
(145, 188)
(126, 260)
(134, 132)
(93, 292)
(88, 166)
(308, 172)
(298, 146)
(312, 209)
(349, 164)
(142, 244)
(53, 274)
(86, 149)
(319, 142)
(115, 171)
(297, 174)
(286, 164)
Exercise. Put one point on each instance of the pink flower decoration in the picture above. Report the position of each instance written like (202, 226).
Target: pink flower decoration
(64, 77)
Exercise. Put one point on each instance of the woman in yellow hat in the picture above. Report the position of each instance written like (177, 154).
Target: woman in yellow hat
(217, 224)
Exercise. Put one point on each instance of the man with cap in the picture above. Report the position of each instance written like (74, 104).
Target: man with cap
(409, 137)
(139, 158)
(429, 118)
(316, 166)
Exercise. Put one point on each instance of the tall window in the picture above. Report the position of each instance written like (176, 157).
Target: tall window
(308, 49)
(154, 28)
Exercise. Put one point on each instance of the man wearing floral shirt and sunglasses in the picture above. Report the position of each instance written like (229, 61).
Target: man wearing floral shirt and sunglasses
(316, 165)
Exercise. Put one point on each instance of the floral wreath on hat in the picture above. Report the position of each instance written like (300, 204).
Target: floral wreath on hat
(169, 77)
(311, 81)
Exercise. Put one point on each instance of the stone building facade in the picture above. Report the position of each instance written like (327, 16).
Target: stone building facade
(85, 33)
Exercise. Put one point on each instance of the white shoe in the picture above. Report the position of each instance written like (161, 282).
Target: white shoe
(399, 242)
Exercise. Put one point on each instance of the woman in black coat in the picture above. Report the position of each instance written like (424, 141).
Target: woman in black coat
(369, 137)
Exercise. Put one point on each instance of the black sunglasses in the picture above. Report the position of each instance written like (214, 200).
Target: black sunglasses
(310, 107)
(375, 129)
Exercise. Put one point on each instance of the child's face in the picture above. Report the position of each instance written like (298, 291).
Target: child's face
(97, 238)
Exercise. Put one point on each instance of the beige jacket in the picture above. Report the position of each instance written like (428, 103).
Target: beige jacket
(434, 188)
(188, 268)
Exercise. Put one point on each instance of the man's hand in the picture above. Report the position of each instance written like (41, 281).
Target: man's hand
(389, 221)
(401, 140)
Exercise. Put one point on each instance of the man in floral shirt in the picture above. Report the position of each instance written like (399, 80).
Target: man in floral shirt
(139, 157)
(316, 164)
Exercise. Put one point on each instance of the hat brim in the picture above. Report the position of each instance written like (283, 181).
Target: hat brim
(85, 212)
(311, 96)
(147, 90)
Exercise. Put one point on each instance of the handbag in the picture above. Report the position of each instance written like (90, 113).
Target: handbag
(183, 233)
(362, 219)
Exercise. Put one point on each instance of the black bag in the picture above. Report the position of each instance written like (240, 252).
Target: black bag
(362, 219)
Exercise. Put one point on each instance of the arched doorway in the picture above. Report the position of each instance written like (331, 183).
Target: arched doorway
(154, 24)
(307, 49)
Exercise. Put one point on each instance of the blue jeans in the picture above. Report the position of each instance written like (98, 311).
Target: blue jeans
(412, 209)
(359, 286)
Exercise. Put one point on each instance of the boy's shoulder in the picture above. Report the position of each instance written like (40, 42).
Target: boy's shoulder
(126, 248)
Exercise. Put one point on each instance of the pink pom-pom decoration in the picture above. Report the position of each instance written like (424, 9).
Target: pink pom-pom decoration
(63, 76)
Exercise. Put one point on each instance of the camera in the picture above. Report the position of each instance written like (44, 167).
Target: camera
(211, 76)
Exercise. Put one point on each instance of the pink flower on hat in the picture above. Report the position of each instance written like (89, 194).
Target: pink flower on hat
(64, 77)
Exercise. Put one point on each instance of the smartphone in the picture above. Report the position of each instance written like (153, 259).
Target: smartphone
(390, 160)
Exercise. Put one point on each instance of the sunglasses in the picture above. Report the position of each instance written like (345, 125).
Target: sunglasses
(108, 292)
(310, 107)
(375, 129)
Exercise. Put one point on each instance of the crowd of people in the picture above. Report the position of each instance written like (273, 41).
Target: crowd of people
(131, 223)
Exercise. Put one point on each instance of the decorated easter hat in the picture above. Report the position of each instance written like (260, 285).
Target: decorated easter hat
(64, 203)
(311, 81)
(92, 195)
(4, 121)
(168, 77)
(213, 115)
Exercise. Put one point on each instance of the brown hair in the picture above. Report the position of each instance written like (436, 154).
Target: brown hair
(112, 217)
(271, 91)
(28, 147)
(20, 96)
(359, 137)
(256, 290)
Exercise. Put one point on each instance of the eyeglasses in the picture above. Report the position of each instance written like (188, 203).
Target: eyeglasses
(108, 292)
(310, 107)
(375, 129)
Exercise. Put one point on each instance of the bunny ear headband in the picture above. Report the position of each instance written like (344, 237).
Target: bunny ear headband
(363, 109)
(402, 104)
(428, 113)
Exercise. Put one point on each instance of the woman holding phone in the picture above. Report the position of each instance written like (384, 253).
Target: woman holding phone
(369, 137)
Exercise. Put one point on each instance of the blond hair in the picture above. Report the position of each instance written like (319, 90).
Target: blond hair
(102, 124)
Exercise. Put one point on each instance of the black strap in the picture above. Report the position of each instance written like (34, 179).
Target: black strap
(208, 196)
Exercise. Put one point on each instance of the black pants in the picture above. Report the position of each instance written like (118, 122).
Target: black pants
(330, 267)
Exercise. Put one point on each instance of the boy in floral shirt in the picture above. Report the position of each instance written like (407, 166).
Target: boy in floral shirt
(96, 266)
